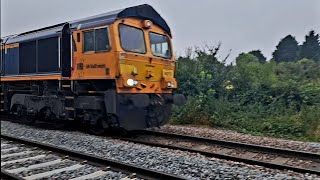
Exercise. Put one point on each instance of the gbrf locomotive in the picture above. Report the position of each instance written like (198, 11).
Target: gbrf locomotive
(111, 70)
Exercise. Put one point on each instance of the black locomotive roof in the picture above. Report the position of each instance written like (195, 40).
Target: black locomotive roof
(36, 34)
(144, 11)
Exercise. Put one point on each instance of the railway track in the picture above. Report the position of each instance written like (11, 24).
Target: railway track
(275, 158)
(25, 159)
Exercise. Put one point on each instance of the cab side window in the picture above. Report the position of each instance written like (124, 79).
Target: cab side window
(96, 40)
(101, 39)
(88, 41)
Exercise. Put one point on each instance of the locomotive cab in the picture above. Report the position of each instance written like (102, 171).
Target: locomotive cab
(145, 59)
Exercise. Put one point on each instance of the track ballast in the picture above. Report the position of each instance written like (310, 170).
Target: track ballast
(32, 150)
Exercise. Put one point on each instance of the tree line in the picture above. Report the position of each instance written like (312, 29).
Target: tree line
(279, 97)
(289, 50)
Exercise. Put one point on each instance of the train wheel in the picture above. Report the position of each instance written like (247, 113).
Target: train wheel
(21, 115)
(30, 120)
(159, 115)
(19, 111)
(97, 128)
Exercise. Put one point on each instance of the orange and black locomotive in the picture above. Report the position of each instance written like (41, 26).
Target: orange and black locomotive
(111, 70)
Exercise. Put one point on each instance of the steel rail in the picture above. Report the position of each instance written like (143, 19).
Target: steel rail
(229, 144)
(232, 144)
(8, 176)
(116, 165)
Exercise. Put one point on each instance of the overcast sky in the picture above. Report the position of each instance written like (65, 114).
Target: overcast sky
(241, 25)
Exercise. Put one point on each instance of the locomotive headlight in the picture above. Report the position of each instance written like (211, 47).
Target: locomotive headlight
(130, 82)
(170, 84)
(148, 23)
(135, 82)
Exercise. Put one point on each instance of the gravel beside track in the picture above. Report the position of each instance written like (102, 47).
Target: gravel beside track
(188, 165)
(244, 138)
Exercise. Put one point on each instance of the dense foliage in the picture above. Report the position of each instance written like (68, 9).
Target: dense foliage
(278, 99)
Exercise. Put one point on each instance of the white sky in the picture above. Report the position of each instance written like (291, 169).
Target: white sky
(241, 25)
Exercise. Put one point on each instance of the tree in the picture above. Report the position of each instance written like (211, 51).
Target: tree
(246, 58)
(310, 48)
(287, 50)
(259, 55)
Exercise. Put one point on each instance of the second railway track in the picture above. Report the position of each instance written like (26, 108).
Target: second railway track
(25, 159)
(275, 158)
